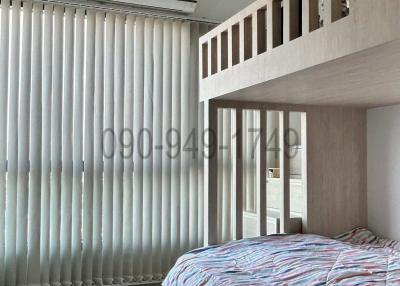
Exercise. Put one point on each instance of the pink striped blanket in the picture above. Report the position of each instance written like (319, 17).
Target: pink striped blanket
(288, 260)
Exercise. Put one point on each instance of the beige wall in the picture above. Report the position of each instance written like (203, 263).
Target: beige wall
(337, 196)
(384, 171)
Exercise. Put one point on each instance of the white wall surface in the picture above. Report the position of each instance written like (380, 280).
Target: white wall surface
(384, 171)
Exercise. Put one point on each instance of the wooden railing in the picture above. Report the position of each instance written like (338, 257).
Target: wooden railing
(211, 166)
(261, 27)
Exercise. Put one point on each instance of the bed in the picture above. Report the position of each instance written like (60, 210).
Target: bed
(275, 56)
(354, 258)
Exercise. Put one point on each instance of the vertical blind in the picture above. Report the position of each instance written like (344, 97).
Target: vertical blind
(97, 110)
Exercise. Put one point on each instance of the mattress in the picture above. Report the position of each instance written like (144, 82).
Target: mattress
(288, 260)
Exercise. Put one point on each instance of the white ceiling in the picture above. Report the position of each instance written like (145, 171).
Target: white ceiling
(219, 9)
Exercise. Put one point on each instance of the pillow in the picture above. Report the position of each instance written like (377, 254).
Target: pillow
(362, 236)
(359, 235)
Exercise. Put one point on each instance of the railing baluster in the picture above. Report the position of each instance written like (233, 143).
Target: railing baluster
(254, 30)
(219, 52)
(241, 41)
(237, 178)
(284, 172)
(209, 57)
(211, 174)
(230, 47)
(304, 167)
(214, 55)
(287, 21)
(262, 176)
(270, 25)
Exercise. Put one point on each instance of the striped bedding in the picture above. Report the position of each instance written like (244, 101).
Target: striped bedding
(288, 260)
(363, 235)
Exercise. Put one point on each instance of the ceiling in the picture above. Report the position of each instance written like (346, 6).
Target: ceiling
(219, 9)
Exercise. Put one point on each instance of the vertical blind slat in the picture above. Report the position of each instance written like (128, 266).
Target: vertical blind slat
(56, 144)
(87, 231)
(147, 151)
(108, 149)
(128, 141)
(175, 139)
(194, 133)
(4, 52)
(76, 248)
(118, 161)
(157, 157)
(11, 194)
(67, 150)
(35, 145)
(137, 159)
(23, 144)
(186, 140)
(166, 159)
(97, 148)
(46, 146)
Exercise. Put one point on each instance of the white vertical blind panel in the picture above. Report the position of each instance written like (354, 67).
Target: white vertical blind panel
(128, 142)
(56, 144)
(157, 138)
(166, 159)
(194, 154)
(137, 159)
(11, 195)
(147, 151)
(175, 140)
(23, 144)
(46, 143)
(98, 151)
(67, 168)
(226, 174)
(4, 52)
(186, 140)
(118, 161)
(76, 247)
(73, 77)
(87, 230)
(35, 144)
(108, 151)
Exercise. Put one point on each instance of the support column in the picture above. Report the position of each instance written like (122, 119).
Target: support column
(210, 173)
